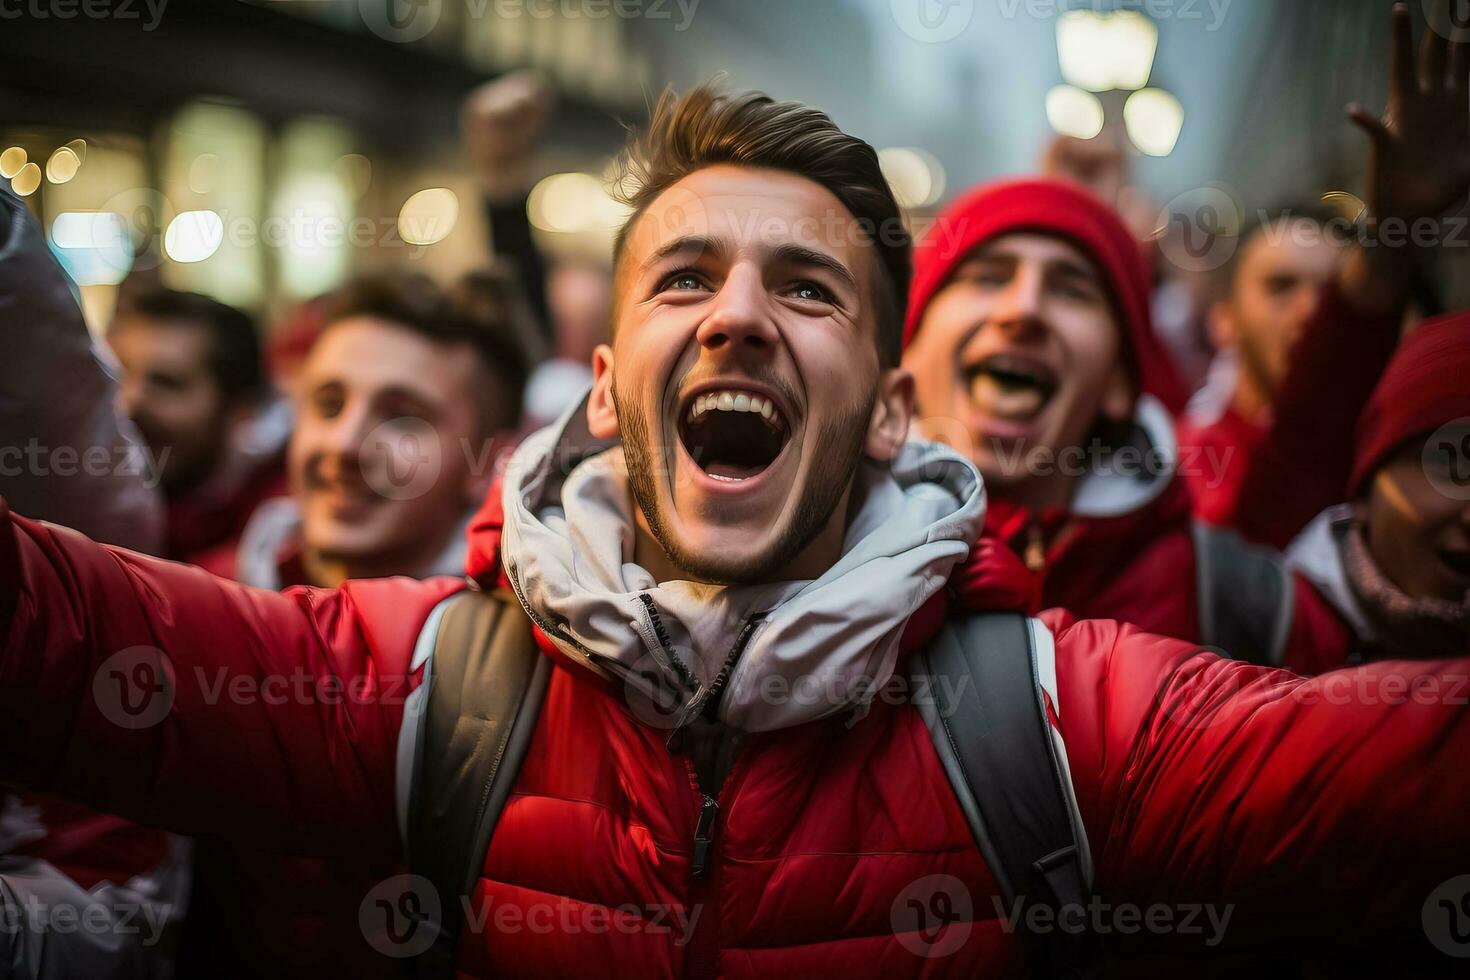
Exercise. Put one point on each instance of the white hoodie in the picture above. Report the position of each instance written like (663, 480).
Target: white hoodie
(568, 551)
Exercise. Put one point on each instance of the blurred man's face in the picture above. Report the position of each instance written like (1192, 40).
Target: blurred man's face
(383, 458)
(172, 396)
(1018, 352)
(1273, 295)
(743, 375)
(1418, 535)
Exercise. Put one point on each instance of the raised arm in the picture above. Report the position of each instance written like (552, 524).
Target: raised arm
(159, 692)
(1418, 168)
(1322, 807)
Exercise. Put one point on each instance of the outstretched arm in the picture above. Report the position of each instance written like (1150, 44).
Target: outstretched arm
(1312, 808)
(159, 692)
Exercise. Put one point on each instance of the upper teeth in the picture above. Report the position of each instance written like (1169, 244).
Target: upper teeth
(734, 401)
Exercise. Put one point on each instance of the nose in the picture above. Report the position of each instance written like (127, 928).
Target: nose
(740, 317)
(1018, 307)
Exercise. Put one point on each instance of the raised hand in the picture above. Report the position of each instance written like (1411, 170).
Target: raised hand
(1419, 158)
(501, 123)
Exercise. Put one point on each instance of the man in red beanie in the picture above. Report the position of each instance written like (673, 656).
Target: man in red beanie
(1029, 338)
(1393, 564)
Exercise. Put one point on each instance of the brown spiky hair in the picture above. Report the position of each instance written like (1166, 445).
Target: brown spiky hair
(705, 128)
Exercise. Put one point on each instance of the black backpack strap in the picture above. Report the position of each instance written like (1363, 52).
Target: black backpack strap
(989, 722)
(486, 683)
(1247, 596)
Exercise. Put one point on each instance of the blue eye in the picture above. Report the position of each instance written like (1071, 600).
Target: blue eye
(682, 281)
(811, 292)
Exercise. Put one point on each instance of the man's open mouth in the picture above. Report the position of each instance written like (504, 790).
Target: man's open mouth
(1012, 387)
(732, 434)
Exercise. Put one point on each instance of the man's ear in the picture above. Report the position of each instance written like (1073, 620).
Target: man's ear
(602, 412)
(893, 411)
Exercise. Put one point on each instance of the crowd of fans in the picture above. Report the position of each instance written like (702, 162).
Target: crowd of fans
(1304, 505)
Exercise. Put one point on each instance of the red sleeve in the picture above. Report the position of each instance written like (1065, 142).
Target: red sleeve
(279, 725)
(1301, 467)
(1321, 807)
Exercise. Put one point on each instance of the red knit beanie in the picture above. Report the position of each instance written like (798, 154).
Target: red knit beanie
(1426, 384)
(1067, 211)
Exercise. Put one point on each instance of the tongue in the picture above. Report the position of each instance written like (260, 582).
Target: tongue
(1014, 402)
(732, 471)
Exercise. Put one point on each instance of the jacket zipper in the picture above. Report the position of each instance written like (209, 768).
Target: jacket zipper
(702, 960)
(704, 831)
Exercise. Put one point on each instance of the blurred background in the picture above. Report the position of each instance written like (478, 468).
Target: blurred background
(260, 151)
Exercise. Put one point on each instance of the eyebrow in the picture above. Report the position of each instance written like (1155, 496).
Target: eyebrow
(801, 255)
(1074, 268)
(699, 244)
(1065, 265)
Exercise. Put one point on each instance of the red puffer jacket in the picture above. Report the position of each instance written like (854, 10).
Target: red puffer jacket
(1199, 780)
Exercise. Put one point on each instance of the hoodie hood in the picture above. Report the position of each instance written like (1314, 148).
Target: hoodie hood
(757, 657)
